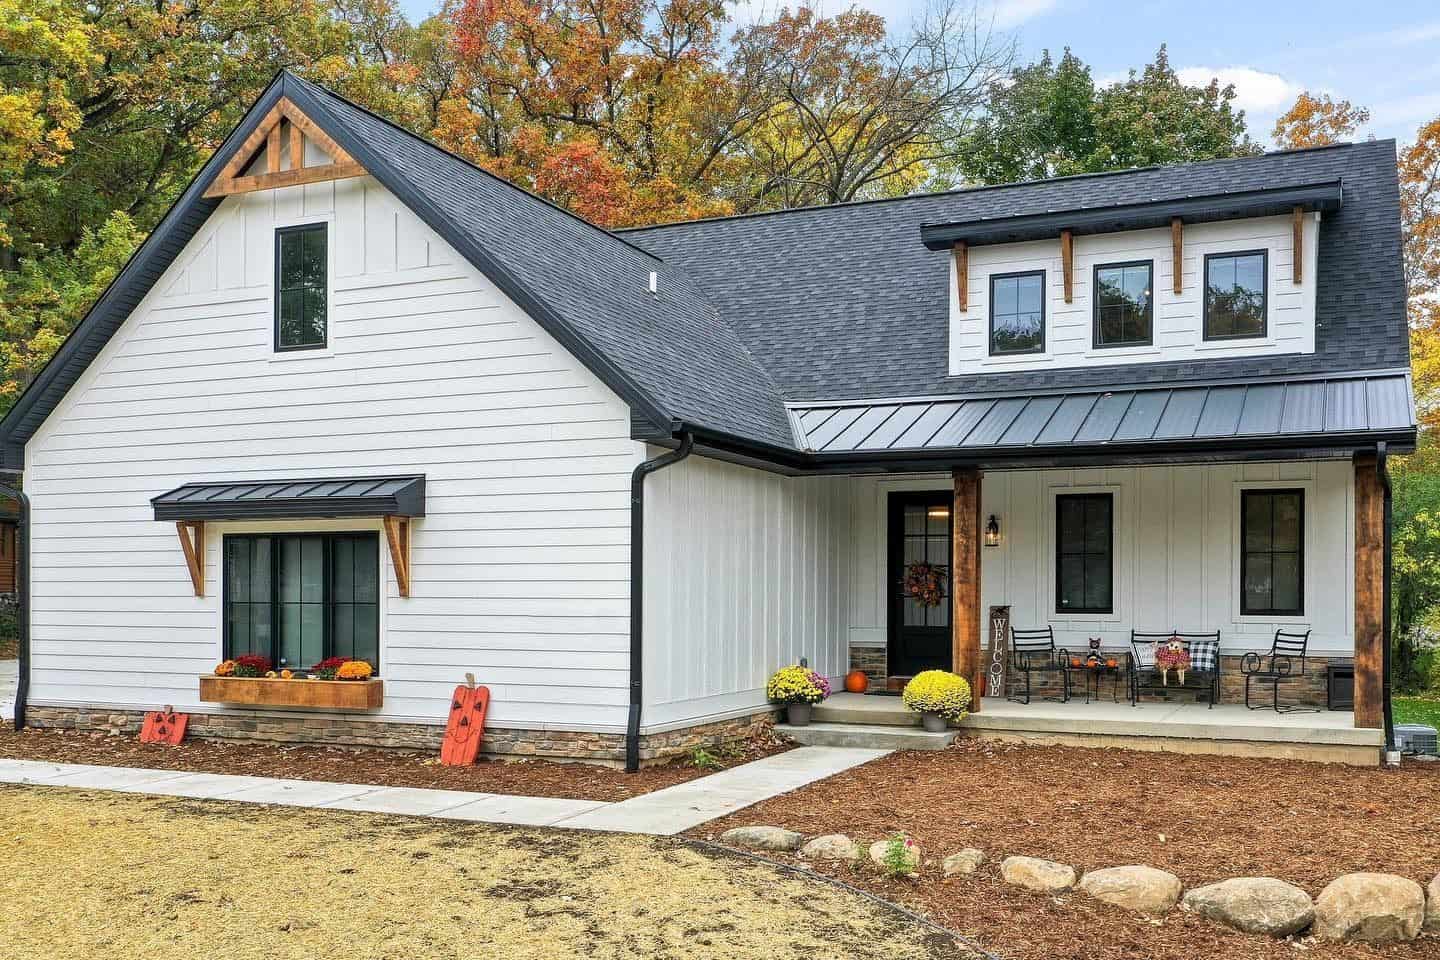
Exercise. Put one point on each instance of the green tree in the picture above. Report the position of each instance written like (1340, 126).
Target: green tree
(1415, 556)
(1050, 119)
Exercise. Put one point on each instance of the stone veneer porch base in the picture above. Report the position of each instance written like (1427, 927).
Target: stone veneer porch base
(501, 743)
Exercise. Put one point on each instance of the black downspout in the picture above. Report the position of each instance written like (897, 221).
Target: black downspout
(22, 594)
(1382, 470)
(637, 591)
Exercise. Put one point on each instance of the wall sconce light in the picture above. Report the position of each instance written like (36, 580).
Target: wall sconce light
(992, 532)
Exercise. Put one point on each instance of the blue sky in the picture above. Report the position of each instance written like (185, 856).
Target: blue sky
(1384, 54)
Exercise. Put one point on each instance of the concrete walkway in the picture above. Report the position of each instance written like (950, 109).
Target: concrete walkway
(664, 812)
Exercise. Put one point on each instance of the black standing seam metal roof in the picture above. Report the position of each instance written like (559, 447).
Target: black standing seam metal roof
(1353, 408)
(323, 497)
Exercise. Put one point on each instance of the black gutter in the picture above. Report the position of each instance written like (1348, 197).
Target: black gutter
(22, 593)
(1383, 472)
(637, 591)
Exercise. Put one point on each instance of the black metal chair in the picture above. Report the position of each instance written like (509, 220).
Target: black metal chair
(1285, 663)
(1145, 675)
(1033, 651)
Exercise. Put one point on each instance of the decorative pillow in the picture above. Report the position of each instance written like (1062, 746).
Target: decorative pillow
(1144, 654)
(1204, 654)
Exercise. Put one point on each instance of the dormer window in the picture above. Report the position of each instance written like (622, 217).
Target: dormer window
(1235, 295)
(300, 287)
(1017, 313)
(1124, 307)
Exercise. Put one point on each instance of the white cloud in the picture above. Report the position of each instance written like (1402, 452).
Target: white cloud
(1012, 13)
(1256, 91)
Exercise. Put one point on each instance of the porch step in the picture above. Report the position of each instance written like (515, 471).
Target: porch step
(871, 710)
(871, 736)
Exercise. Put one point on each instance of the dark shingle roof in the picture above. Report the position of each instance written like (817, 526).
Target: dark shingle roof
(845, 301)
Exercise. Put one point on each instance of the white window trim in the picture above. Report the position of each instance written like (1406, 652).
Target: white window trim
(1119, 554)
(1237, 548)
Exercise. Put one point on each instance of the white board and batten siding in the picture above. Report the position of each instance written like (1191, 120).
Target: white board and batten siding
(1176, 551)
(745, 572)
(1178, 322)
(521, 567)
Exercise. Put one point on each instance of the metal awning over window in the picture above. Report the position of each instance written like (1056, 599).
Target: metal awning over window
(294, 499)
(393, 500)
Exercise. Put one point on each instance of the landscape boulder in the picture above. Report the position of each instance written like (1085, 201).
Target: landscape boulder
(880, 848)
(1042, 876)
(964, 862)
(1139, 888)
(1253, 905)
(1375, 907)
(1432, 905)
(763, 838)
(832, 846)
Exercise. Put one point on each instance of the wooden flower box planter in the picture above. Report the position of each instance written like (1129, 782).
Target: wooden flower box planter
(318, 694)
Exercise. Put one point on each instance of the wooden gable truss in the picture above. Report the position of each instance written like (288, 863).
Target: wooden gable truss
(270, 134)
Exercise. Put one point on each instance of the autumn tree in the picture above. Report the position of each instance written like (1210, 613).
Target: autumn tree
(1050, 119)
(1318, 121)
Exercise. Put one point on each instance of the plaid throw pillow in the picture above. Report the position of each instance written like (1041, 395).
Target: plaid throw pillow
(1204, 654)
(1144, 654)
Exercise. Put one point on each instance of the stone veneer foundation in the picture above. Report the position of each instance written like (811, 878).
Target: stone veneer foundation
(1308, 691)
(502, 743)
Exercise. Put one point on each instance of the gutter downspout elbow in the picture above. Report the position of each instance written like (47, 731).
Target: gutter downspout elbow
(637, 591)
(1383, 472)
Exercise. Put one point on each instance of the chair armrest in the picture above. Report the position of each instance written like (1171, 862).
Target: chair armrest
(1253, 663)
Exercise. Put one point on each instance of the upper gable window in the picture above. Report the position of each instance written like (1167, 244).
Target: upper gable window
(300, 287)
(1235, 295)
(1017, 312)
(1124, 307)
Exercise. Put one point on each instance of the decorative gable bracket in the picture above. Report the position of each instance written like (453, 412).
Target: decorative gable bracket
(268, 134)
(192, 542)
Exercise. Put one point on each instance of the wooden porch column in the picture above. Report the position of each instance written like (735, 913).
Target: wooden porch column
(1369, 592)
(965, 580)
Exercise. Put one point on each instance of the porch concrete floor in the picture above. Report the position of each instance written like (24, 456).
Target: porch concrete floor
(1183, 727)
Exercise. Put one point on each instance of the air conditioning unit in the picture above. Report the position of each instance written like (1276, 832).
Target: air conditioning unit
(1416, 738)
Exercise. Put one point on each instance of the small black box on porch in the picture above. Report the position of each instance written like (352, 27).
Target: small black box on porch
(1340, 685)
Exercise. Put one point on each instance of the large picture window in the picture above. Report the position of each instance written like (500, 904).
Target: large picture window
(1084, 541)
(299, 598)
(1272, 564)
(300, 287)
(1235, 295)
(1017, 313)
(1124, 307)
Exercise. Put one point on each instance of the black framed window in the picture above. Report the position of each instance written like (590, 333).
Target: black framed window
(1124, 306)
(1084, 548)
(300, 287)
(1235, 295)
(298, 598)
(1272, 562)
(1017, 312)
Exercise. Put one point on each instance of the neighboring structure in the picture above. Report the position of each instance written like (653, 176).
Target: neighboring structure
(9, 514)
(393, 406)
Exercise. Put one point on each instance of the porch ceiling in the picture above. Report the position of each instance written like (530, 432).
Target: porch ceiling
(1295, 412)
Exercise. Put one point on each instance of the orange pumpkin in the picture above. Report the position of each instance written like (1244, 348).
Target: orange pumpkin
(856, 681)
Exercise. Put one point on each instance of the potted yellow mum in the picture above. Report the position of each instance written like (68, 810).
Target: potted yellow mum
(939, 696)
(799, 688)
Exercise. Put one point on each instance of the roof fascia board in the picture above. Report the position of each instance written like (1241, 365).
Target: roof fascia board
(1326, 196)
(380, 168)
(155, 254)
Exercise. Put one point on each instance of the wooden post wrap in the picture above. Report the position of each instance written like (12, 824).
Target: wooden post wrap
(1369, 593)
(965, 581)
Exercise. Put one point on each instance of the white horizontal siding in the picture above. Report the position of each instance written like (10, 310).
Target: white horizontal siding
(1178, 327)
(745, 572)
(1176, 551)
(521, 566)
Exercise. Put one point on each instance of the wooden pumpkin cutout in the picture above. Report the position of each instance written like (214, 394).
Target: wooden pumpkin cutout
(164, 726)
(465, 729)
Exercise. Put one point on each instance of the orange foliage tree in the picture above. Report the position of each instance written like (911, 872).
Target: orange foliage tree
(1318, 122)
(1420, 215)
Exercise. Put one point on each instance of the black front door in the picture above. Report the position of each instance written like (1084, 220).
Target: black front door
(919, 534)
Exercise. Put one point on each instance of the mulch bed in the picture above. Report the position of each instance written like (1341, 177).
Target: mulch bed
(9, 648)
(389, 768)
(1202, 818)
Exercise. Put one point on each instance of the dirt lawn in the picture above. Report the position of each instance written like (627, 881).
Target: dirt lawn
(113, 875)
(1202, 818)
(386, 768)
